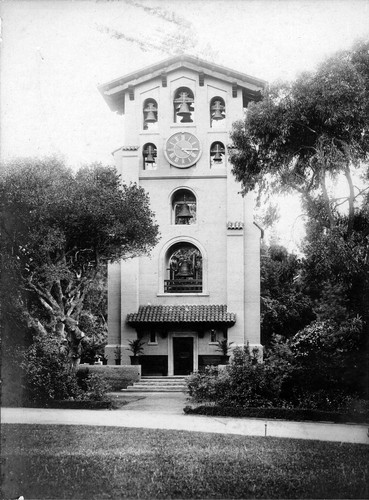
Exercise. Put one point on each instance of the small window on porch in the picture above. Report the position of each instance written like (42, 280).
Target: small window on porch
(184, 269)
(213, 336)
(153, 339)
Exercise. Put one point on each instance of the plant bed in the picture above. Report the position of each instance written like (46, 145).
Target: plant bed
(279, 413)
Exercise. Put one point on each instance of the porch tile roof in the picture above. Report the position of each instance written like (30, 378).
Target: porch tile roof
(182, 314)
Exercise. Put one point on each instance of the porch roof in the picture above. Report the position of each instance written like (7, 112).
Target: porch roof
(182, 314)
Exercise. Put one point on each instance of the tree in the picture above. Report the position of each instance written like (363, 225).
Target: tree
(285, 307)
(58, 229)
(304, 136)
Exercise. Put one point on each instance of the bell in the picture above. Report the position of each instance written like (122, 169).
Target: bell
(149, 158)
(184, 270)
(217, 115)
(218, 111)
(185, 112)
(150, 117)
(149, 155)
(217, 157)
(150, 113)
(185, 213)
(216, 152)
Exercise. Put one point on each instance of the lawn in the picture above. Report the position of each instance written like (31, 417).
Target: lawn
(59, 462)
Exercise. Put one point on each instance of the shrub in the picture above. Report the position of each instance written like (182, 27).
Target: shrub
(48, 377)
(209, 385)
(47, 374)
(96, 388)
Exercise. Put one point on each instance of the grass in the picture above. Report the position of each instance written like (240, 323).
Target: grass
(60, 462)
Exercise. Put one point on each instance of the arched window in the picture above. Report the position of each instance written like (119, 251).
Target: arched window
(150, 114)
(217, 112)
(184, 269)
(217, 154)
(149, 154)
(183, 207)
(183, 104)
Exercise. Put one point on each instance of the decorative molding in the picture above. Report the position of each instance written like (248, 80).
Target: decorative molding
(234, 89)
(201, 78)
(164, 82)
(162, 177)
(131, 93)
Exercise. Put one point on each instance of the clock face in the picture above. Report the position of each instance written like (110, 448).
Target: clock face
(183, 149)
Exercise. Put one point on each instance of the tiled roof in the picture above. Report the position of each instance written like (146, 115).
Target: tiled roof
(235, 225)
(182, 314)
(125, 148)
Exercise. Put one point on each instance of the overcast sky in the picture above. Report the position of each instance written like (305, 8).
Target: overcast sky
(55, 53)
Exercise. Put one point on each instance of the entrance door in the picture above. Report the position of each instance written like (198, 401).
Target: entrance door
(182, 355)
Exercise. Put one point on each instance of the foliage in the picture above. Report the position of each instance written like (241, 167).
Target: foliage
(96, 388)
(224, 346)
(245, 382)
(47, 376)
(118, 352)
(294, 414)
(320, 368)
(285, 306)
(302, 132)
(306, 137)
(136, 346)
(209, 385)
(94, 317)
(59, 229)
(329, 363)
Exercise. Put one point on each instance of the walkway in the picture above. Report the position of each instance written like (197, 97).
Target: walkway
(164, 411)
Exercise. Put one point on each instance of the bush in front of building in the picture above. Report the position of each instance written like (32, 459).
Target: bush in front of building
(47, 376)
(358, 416)
(288, 379)
(241, 384)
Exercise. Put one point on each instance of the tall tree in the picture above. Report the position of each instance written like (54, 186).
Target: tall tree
(58, 228)
(304, 136)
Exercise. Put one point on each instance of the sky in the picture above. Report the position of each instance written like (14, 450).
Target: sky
(54, 54)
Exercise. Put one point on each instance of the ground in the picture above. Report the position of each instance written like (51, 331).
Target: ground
(53, 462)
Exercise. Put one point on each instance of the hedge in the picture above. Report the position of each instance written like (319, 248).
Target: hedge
(279, 413)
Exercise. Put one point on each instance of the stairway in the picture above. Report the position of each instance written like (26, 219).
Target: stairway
(158, 384)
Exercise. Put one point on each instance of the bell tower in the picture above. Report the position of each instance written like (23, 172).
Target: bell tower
(201, 283)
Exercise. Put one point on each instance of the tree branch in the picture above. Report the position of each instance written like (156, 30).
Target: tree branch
(351, 199)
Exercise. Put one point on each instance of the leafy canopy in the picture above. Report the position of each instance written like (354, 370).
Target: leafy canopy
(58, 228)
(303, 134)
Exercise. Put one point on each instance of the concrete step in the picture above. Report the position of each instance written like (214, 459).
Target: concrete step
(158, 384)
(169, 382)
(153, 389)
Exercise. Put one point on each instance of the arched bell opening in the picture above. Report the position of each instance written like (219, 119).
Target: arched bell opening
(217, 112)
(217, 154)
(184, 207)
(184, 105)
(150, 114)
(184, 269)
(149, 155)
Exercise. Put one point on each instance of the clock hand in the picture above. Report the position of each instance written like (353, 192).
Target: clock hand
(189, 149)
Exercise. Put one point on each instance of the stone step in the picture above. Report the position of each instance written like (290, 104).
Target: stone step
(161, 382)
(172, 377)
(167, 386)
(154, 389)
